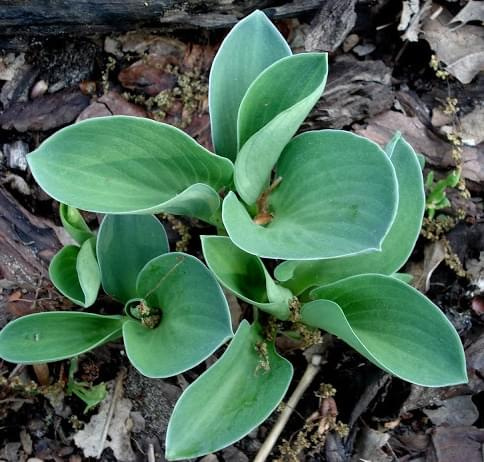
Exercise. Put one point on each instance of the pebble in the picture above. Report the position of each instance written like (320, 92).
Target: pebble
(39, 89)
(364, 49)
(16, 153)
(350, 42)
(17, 183)
(234, 455)
(209, 458)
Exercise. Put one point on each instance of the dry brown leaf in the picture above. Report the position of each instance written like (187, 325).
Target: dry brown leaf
(475, 268)
(461, 49)
(369, 446)
(434, 254)
(89, 438)
(472, 127)
(437, 152)
(455, 411)
(412, 17)
(473, 11)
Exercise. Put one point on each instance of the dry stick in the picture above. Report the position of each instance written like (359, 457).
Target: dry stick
(118, 390)
(311, 371)
(42, 373)
(151, 453)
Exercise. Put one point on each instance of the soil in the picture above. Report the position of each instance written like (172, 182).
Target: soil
(379, 82)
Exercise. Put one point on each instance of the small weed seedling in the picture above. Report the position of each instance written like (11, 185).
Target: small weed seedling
(340, 213)
(436, 192)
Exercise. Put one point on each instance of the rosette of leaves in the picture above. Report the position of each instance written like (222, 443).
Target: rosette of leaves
(343, 213)
(175, 312)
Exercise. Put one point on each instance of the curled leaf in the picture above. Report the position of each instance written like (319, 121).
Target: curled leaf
(195, 318)
(75, 272)
(271, 112)
(74, 224)
(237, 64)
(337, 197)
(125, 244)
(245, 275)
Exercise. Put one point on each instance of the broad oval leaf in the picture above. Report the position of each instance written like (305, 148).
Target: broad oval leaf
(393, 326)
(397, 246)
(75, 272)
(74, 224)
(125, 244)
(271, 112)
(237, 64)
(195, 317)
(337, 197)
(230, 399)
(245, 275)
(47, 337)
(126, 164)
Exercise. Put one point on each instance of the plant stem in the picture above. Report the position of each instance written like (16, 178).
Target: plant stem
(310, 373)
(42, 373)
(216, 220)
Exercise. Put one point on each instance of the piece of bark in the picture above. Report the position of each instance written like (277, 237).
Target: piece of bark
(17, 89)
(26, 243)
(45, 112)
(111, 103)
(330, 27)
(29, 18)
(148, 75)
(452, 444)
(355, 90)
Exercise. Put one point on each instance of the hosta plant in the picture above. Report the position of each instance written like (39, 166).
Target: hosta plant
(338, 213)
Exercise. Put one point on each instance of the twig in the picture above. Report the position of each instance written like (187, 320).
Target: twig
(16, 370)
(311, 371)
(118, 390)
(151, 453)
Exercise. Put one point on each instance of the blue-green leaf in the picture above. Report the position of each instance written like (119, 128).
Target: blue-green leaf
(397, 246)
(56, 335)
(337, 197)
(195, 318)
(75, 272)
(245, 275)
(250, 47)
(74, 224)
(230, 399)
(125, 244)
(392, 325)
(125, 164)
(271, 112)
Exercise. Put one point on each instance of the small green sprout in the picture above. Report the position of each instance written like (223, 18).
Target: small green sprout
(436, 192)
(92, 395)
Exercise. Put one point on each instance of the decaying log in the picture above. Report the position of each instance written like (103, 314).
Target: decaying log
(28, 18)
